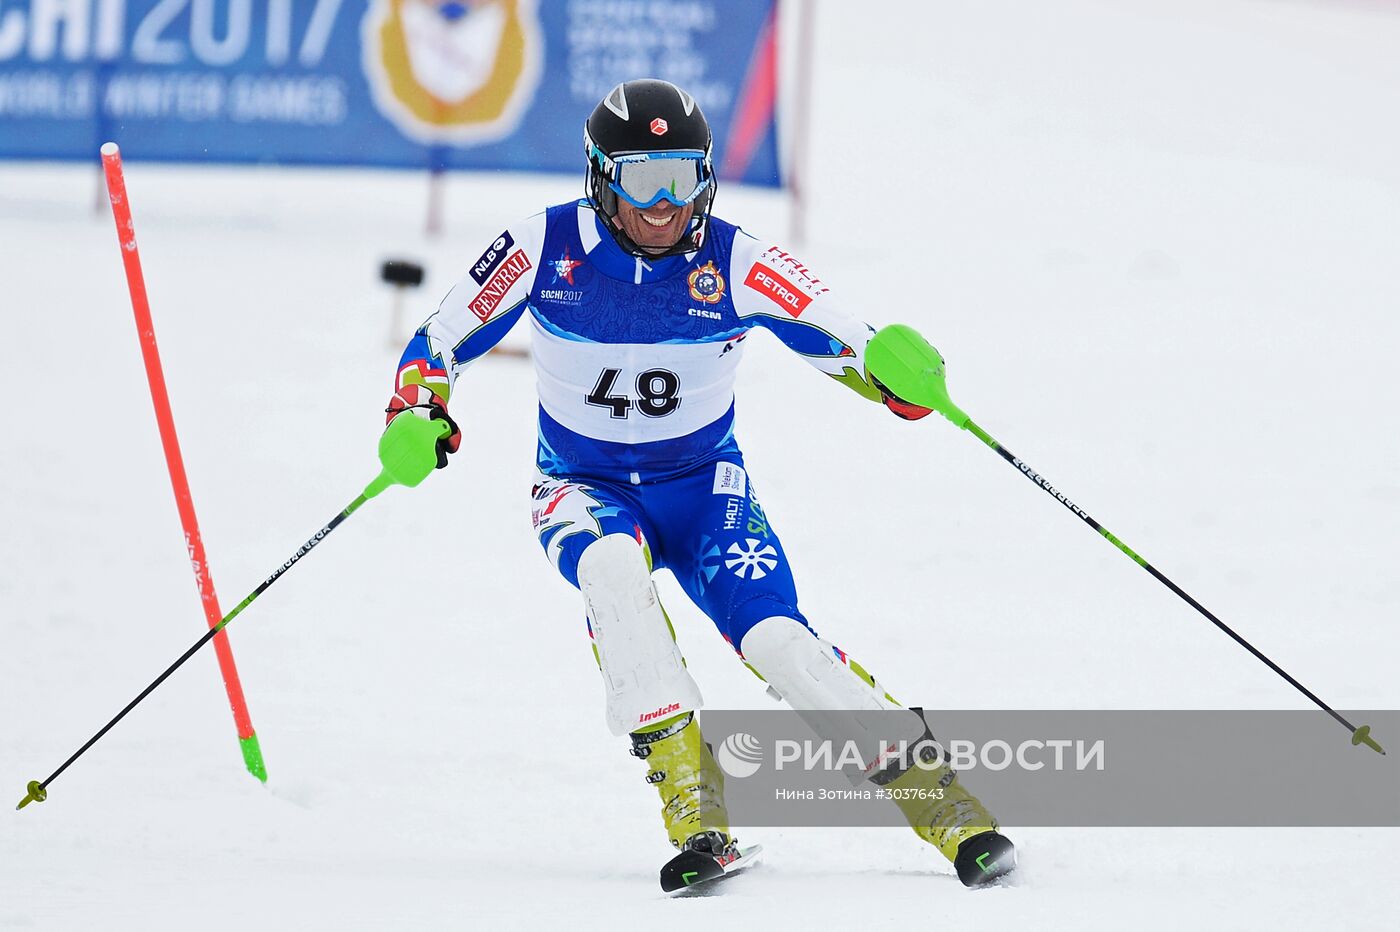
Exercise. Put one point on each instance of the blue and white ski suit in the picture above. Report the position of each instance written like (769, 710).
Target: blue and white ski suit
(636, 361)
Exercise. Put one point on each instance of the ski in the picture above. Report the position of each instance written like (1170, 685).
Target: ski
(692, 868)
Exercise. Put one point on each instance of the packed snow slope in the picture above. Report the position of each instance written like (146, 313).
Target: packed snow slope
(1156, 243)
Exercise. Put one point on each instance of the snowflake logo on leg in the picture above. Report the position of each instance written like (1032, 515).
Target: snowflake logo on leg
(754, 560)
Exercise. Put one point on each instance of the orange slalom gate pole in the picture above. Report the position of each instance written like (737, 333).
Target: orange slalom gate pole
(194, 544)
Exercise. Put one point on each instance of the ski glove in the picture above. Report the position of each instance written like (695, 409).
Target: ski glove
(422, 402)
(905, 409)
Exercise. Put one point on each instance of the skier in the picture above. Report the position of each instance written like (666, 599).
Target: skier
(639, 301)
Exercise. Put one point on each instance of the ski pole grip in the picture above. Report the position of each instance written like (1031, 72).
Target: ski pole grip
(408, 449)
(901, 360)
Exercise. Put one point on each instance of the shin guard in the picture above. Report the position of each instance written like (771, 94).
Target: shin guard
(644, 675)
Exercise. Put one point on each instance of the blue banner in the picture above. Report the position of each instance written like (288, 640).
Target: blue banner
(462, 84)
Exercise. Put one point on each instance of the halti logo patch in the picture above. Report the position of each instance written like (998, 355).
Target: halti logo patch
(483, 267)
(485, 303)
(798, 274)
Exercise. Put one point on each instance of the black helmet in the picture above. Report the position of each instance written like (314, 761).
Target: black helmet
(647, 140)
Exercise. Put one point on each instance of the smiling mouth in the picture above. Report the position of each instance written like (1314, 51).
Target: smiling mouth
(652, 221)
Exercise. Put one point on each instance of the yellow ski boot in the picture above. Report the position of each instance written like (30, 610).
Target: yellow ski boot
(943, 813)
(684, 772)
(691, 785)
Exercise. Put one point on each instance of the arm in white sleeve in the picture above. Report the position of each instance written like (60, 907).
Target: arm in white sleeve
(775, 290)
(478, 312)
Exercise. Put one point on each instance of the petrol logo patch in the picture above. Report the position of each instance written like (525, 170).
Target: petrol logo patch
(778, 289)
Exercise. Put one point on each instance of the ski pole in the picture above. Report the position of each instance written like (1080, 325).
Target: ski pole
(912, 370)
(407, 457)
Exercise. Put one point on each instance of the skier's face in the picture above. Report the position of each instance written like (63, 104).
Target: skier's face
(658, 227)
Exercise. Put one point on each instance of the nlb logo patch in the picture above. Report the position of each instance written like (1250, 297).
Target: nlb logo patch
(491, 258)
(740, 755)
(511, 271)
(452, 70)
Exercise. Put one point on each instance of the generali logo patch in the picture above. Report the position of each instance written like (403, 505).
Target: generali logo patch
(494, 291)
(460, 72)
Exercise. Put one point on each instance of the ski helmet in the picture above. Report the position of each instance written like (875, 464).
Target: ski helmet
(645, 141)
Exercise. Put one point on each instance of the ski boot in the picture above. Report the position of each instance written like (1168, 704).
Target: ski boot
(684, 772)
(691, 785)
(943, 813)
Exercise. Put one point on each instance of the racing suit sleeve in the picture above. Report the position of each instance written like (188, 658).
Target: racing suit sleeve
(478, 312)
(775, 290)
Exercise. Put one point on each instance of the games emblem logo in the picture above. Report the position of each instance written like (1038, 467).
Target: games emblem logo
(452, 70)
(564, 267)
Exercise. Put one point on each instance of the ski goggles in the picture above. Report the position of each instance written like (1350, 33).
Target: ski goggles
(645, 178)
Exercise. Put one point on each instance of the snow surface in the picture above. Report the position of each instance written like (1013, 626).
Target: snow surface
(1157, 243)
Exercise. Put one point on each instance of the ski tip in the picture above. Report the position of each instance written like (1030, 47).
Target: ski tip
(688, 869)
(1362, 735)
(691, 869)
(984, 859)
(36, 794)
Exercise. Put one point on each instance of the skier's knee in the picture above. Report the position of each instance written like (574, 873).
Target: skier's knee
(772, 641)
(603, 554)
(744, 615)
(613, 558)
(808, 672)
(831, 696)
